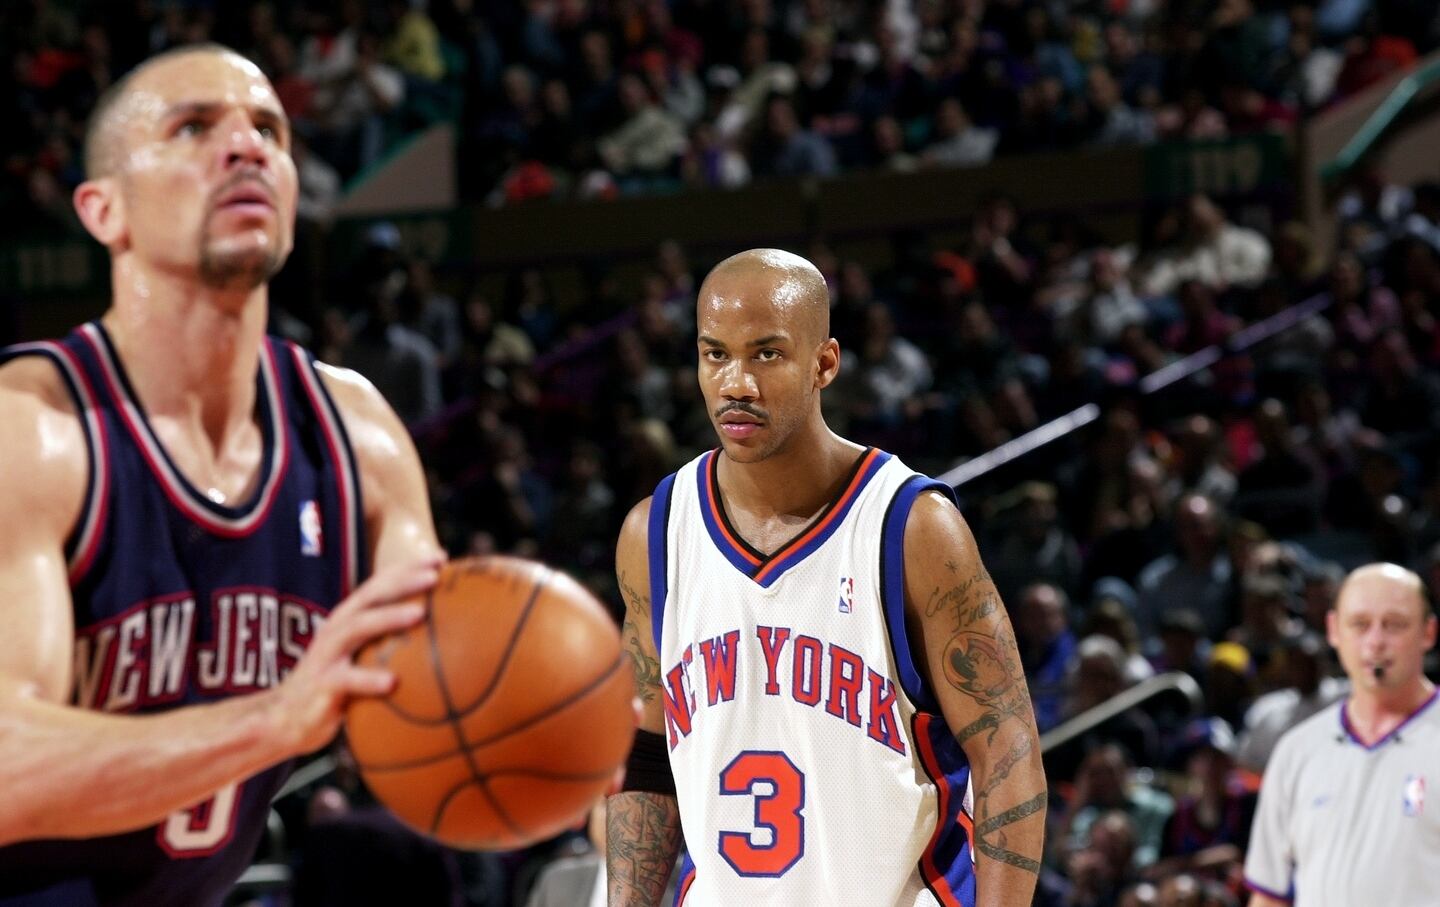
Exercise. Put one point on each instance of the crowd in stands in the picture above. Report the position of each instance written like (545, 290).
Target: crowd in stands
(1202, 529)
(595, 98)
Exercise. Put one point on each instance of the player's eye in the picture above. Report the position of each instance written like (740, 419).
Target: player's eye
(191, 127)
(714, 355)
(270, 132)
(768, 355)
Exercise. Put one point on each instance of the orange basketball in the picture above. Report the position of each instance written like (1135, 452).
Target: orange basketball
(512, 711)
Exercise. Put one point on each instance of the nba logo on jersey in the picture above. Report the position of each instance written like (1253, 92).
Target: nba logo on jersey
(1414, 801)
(311, 539)
(847, 594)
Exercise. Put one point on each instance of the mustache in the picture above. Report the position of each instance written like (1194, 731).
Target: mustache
(739, 407)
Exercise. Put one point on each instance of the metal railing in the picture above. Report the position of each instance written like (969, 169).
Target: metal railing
(1379, 122)
(1172, 681)
(1171, 373)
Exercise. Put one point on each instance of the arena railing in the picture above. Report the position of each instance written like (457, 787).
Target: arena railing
(1240, 342)
(1380, 122)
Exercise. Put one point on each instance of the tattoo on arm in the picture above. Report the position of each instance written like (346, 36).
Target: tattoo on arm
(647, 669)
(990, 838)
(642, 839)
(981, 661)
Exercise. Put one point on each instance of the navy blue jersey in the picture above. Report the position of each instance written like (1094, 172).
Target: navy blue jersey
(180, 600)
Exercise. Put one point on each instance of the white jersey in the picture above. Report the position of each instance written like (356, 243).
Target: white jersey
(811, 763)
(1342, 823)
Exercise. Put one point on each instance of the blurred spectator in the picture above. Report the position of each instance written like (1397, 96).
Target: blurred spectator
(958, 141)
(347, 115)
(1107, 306)
(1032, 546)
(1198, 574)
(1103, 868)
(1282, 488)
(890, 377)
(1106, 782)
(1210, 827)
(1098, 677)
(1112, 614)
(784, 147)
(1307, 689)
(1196, 461)
(400, 362)
(649, 140)
(1215, 252)
(1047, 648)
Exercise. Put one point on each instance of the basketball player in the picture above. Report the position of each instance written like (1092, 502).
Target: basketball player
(187, 508)
(835, 711)
(1343, 817)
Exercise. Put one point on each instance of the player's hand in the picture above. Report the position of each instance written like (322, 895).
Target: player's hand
(311, 701)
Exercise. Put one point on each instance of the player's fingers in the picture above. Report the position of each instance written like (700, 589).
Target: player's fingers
(358, 681)
(393, 584)
(345, 636)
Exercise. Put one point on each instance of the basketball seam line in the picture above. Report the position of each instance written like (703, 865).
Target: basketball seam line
(494, 681)
(452, 716)
(471, 746)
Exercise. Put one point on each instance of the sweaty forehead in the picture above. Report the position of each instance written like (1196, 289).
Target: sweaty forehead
(763, 301)
(204, 77)
(1376, 595)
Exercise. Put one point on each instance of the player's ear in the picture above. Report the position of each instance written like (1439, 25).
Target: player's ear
(101, 209)
(827, 363)
(1332, 628)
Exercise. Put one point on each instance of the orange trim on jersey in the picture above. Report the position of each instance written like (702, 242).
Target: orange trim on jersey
(933, 876)
(834, 511)
(713, 493)
(685, 887)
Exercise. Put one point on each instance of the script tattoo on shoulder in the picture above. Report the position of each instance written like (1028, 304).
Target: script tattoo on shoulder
(647, 669)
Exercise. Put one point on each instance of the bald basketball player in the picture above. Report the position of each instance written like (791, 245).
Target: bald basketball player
(834, 707)
(187, 508)
(1343, 816)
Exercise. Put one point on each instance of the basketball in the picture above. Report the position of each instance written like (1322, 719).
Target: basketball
(512, 710)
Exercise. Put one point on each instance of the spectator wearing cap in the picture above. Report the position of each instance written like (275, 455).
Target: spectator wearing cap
(1182, 643)
(1268, 625)
(1229, 683)
(1047, 648)
(1307, 690)
(1210, 827)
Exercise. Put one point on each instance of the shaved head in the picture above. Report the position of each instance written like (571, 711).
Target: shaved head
(1383, 582)
(103, 138)
(793, 285)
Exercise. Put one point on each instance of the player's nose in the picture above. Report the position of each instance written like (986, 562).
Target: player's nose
(242, 142)
(737, 383)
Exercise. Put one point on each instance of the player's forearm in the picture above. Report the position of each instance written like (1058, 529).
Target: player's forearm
(642, 833)
(1009, 816)
(70, 773)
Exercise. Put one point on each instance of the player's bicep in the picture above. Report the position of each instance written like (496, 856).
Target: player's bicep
(42, 480)
(965, 639)
(398, 520)
(632, 571)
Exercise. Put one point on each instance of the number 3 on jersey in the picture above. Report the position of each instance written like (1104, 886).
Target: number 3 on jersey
(203, 828)
(778, 811)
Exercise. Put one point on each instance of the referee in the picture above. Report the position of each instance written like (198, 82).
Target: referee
(1343, 817)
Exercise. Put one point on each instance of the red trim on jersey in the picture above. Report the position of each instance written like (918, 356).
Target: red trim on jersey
(933, 876)
(712, 477)
(173, 484)
(685, 884)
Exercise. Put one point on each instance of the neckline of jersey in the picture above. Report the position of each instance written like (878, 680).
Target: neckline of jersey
(229, 520)
(1355, 736)
(762, 568)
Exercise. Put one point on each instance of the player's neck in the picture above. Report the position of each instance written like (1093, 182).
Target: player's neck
(798, 481)
(1375, 713)
(190, 351)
